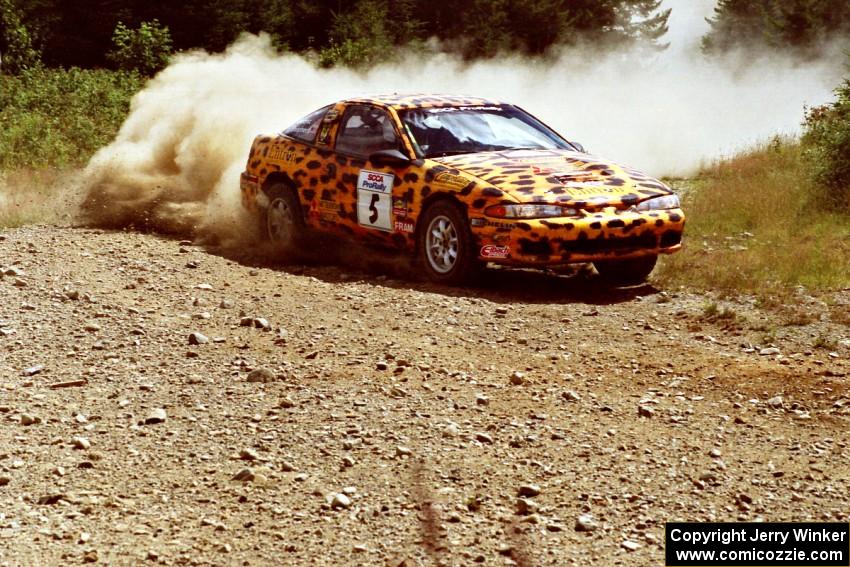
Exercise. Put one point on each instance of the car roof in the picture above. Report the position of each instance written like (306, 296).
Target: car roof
(404, 101)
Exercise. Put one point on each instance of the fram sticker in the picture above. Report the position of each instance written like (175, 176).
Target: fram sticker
(375, 181)
(403, 226)
(492, 251)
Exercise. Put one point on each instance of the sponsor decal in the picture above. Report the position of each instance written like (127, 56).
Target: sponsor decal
(542, 170)
(586, 191)
(328, 205)
(332, 115)
(324, 134)
(403, 225)
(499, 224)
(440, 110)
(493, 251)
(452, 181)
(281, 154)
(479, 222)
(399, 207)
(375, 181)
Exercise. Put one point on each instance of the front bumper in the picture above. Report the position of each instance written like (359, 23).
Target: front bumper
(600, 236)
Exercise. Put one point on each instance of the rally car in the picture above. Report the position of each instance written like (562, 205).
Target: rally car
(457, 182)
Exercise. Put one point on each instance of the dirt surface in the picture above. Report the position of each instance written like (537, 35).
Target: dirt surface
(334, 416)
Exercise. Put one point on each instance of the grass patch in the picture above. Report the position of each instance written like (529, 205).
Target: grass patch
(39, 196)
(59, 118)
(713, 312)
(52, 121)
(825, 342)
(756, 224)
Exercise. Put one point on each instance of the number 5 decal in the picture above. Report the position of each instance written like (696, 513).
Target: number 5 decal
(373, 209)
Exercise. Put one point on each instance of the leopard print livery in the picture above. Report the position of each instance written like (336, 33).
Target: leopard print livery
(602, 197)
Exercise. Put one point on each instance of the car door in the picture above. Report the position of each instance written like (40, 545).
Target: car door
(370, 193)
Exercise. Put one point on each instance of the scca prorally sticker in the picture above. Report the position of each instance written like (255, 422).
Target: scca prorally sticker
(491, 251)
(374, 199)
(375, 181)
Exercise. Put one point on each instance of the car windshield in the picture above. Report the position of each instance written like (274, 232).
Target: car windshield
(467, 129)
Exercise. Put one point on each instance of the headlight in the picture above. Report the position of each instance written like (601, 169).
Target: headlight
(665, 202)
(534, 211)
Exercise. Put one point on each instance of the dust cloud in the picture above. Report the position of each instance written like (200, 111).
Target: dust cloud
(174, 165)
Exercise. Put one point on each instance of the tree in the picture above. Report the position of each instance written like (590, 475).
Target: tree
(643, 21)
(355, 32)
(16, 46)
(145, 49)
(370, 32)
(826, 142)
(802, 27)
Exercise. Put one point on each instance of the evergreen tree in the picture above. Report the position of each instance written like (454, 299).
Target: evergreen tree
(803, 27)
(357, 32)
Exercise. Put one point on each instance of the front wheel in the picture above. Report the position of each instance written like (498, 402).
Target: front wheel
(285, 223)
(632, 271)
(446, 248)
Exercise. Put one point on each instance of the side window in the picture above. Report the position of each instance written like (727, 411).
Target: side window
(306, 128)
(365, 130)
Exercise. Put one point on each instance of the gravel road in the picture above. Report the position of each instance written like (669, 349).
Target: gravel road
(166, 404)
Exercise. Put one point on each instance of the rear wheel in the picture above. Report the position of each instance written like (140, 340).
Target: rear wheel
(632, 271)
(284, 222)
(446, 247)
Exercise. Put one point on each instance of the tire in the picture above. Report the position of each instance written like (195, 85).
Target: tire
(284, 223)
(632, 271)
(446, 247)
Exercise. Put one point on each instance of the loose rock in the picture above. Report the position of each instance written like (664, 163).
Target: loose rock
(155, 416)
(261, 376)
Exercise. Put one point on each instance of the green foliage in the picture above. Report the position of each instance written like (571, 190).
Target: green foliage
(827, 149)
(356, 32)
(361, 37)
(485, 28)
(16, 46)
(642, 21)
(61, 117)
(803, 27)
(145, 49)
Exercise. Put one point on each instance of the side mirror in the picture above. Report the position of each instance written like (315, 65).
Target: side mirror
(392, 158)
(579, 147)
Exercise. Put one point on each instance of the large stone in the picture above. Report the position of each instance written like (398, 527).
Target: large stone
(261, 375)
(156, 415)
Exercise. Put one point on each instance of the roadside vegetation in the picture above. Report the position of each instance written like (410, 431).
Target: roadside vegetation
(774, 217)
(59, 117)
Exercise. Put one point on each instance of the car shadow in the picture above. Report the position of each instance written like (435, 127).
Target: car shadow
(350, 263)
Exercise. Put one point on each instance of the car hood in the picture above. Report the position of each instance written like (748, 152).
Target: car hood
(559, 176)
